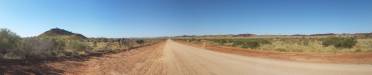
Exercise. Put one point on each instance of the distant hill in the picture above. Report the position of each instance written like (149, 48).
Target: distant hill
(57, 32)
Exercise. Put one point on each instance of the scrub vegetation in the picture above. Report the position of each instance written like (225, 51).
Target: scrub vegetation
(324, 45)
(57, 43)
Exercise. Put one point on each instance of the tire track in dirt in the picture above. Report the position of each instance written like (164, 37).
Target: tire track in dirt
(140, 61)
(187, 60)
(172, 58)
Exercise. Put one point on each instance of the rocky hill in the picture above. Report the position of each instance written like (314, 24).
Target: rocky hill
(57, 32)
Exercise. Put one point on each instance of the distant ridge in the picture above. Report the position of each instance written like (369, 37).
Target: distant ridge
(57, 32)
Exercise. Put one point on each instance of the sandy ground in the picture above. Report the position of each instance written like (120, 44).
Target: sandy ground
(141, 61)
(340, 58)
(186, 60)
(172, 58)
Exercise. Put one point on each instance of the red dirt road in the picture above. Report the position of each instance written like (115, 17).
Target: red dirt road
(172, 58)
(140, 61)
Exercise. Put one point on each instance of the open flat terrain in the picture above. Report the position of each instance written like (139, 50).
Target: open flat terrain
(186, 37)
(172, 58)
(311, 57)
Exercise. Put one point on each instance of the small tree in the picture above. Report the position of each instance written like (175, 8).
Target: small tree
(8, 40)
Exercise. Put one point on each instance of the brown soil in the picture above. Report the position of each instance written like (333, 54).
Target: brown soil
(121, 62)
(133, 62)
(182, 59)
(347, 58)
(172, 58)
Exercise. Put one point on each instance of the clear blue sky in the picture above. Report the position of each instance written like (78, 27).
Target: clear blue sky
(147, 18)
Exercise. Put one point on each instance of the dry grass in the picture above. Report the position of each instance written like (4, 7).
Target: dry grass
(362, 45)
(340, 45)
(14, 47)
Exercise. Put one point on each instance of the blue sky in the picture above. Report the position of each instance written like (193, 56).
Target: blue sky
(149, 18)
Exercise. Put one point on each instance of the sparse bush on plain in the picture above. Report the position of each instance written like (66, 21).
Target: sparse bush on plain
(324, 45)
(13, 46)
(221, 41)
(250, 43)
(76, 48)
(140, 41)
(243, 43)
(339, 42)
(35, 48)
(296, 45)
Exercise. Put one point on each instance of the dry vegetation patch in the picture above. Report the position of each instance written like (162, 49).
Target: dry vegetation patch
(19, 56)
(329, 50)
(315, 45)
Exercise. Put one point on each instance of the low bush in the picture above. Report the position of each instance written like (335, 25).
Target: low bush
(35, 48)
(140, 42)
(221, 41)
(250, 43)
(319, 45)
(76, 48)
(243, 43)
(13, 46)
(8, 40)
(339, 42)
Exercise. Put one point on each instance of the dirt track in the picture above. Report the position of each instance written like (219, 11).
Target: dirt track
(171, 58)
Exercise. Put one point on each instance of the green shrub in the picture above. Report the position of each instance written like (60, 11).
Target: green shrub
(8, 43)
(339, 42)
(243, 43)
(14, 47)
(76, 45)
(221, 41)
(140, 42)
(317, 44)
(281, 50)
(76, 48)
(8, 39)
(35, 48)
(250, 43)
